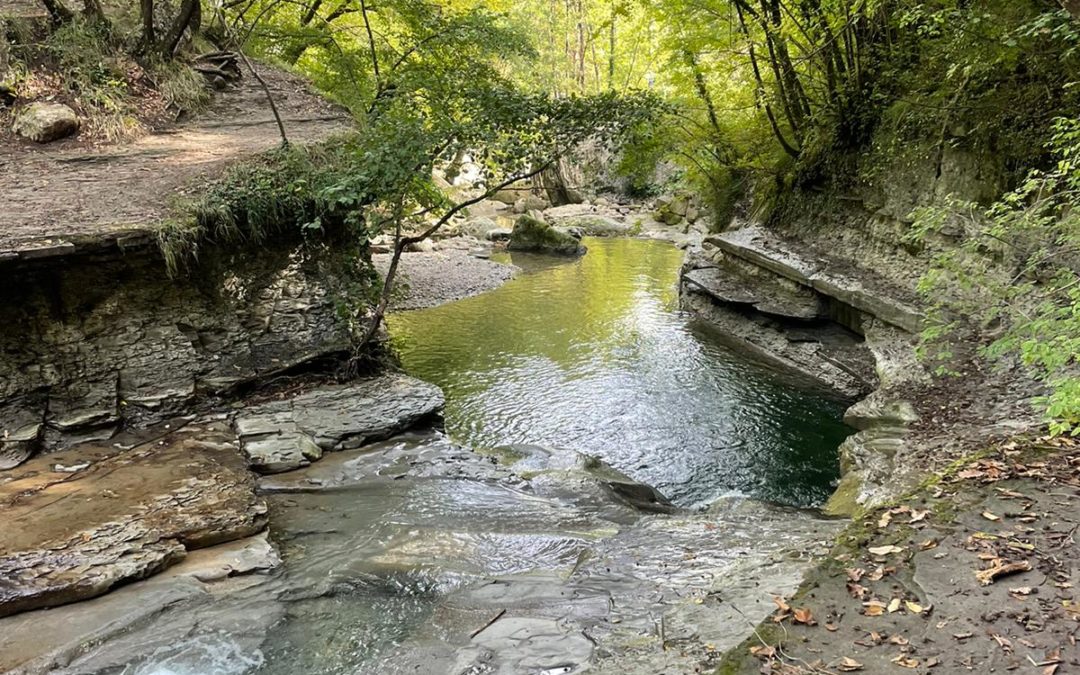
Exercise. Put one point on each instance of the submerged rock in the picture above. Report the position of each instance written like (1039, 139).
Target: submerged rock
(532, 234)
(79, 522)
(285, 435)
(559, 472)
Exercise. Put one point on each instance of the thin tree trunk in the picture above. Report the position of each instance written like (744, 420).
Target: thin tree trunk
(761, 96)
(269, 97)
(371, 48)
(58, 11)
(146, 10)
(611, 50)
(188, 11)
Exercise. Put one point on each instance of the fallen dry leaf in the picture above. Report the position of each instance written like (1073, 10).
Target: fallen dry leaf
(781, 604)
(899, 640)
(855, 573)
(905, 662)
(763, 651)
(804, 616)
(879, 572)
(885, 550)
(990, 516)
(894, 605)
(918, 516)
(914, 607)
(831, 627)
(1000, 568)
(874, 608)
(858, 591)
(1003, 641)
(849, 665)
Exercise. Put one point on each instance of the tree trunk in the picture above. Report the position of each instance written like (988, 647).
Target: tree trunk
(146, 11)
(190, 15)
(58, 11)
(1072, 7)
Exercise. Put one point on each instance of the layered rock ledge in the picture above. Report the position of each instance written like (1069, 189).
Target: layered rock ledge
(828, 319)
(79, 522)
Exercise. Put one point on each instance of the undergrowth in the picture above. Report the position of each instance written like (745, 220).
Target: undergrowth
(281, 192)
(93, 69)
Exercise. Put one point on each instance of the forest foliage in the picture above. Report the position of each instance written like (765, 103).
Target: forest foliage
(758, 104)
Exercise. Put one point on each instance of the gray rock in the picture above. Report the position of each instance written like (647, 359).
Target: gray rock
(597, 226)
(531, 234)
(288, 434)
(572, 469)
(46, 122)
(138, 513)
(479, 227)
(424, 246)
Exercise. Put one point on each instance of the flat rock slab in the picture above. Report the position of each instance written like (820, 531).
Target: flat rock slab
(731, 287)
(285, 435)
(77, 523)
(861, 288)
(62, 639)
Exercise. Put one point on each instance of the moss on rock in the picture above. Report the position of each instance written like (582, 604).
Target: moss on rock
(531, 234)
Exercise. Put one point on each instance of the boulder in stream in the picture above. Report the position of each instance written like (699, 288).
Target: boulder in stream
(533, 234)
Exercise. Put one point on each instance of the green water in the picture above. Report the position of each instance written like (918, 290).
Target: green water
(593, 355)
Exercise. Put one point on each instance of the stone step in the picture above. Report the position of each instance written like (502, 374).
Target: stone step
(860, 288)
(730, 286)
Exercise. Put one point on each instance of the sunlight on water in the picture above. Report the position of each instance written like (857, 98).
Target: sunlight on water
(203, 655)
(593, 355)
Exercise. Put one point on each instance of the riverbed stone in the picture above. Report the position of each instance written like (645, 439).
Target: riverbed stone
(560, 472)
(532, 234)
(79, 522)
(285, 435)
(597, 226)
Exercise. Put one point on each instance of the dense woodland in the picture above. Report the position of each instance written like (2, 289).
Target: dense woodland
(757, 106)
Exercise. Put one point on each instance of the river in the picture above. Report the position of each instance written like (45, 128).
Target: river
(593, 355)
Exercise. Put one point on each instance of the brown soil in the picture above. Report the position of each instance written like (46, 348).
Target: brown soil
(57, 196)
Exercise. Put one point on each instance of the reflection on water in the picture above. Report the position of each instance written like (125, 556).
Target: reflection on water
(593, 355)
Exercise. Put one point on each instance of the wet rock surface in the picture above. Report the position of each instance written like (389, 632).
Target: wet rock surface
(285, 435)
(79, 522)
(416, 555)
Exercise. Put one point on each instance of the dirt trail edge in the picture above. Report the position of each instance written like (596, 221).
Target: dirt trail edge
(57, 200)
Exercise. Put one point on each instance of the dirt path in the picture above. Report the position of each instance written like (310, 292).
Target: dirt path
(58, 199)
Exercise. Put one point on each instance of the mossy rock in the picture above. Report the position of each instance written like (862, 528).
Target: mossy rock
(531, 234)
